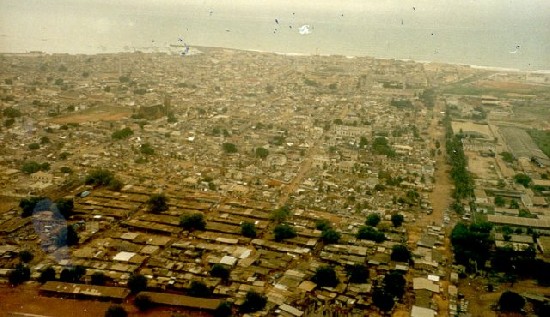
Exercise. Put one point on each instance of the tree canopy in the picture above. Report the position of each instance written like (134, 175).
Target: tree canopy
(248, 229)
(137, 283)
(284, 231)
(397, 220)
(370, 233)
(157, 203)
(199, 289)
(357, 273)
(325, 276)
(193, 222)
(400, 253)
(116, 311)
(470, 243)
(330, 236)
(221, 271)
(373, 220)
(522, 179)
(122, 134)
(253, 302)
(511, 302)
(229, 148)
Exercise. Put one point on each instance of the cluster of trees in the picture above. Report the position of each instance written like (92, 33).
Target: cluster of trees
(253, 302)
(325, 276)
(369, 232)
(397, 220)
(400, 253)
(103, 177)
(471, 243)
(393, 286)
(380, 146)
(464, 185)
(328, 234)
(64, 206)
(229, 148)
(122, 134)
(193, 222)
(30, 167)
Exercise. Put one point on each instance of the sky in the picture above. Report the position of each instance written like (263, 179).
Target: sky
(445, 30)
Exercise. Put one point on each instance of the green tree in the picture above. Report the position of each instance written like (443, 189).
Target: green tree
(322, 224)
(122, 134)
(116, 311)
(8, 123)
(397, 220)
(499, 201)
(283, 231)
(20, 274)
(29, 205)
(253, 302)
(224, 309)
(382, 300)
(34, 146)
(47, 275)
(193, 222)
(522, 179)
(11, 112)
(330, 236)
(261, 152)
(281, 214)
(511, 302)
(229, 148)
(400, 253)
(157, 203)
(507, 157)
(373, 220)
(221, 271)
(325, 276)
(357, 273)
(470, 243)
(369, 233)
(65, 206)
(147, 149)
(394, 284)
(65, 170)
(143, 302)
(137, 283)
(72, 274)
(98, 278)
(248, 229)
(26, 256)
(199, 289)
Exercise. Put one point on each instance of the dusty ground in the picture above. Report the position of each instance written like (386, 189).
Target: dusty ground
(25, 299)
(100, 113)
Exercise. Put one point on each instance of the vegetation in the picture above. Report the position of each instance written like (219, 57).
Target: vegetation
(470, 243)
(507, 157)
(103, 177)
(325, 276)
(116, 311)
(137, 283)
(499, 201)
(157, 203)
(146, 149)
(122, 134)
(380, 146)
(373, 220)
(283, 231)
(281, 214)
(65, 206)
(33, 204)
(397, 220)
(400, 253)
(253, 302)
(464, 185)
(143, 302)
(382, 300)
(224, 309)
(261, 152)
(11, 112)
(25, 256)
(357, 273)
(322, 224)
(193, 222)
(522, 179)
(369, 233)
(199, 289)
(221, 271)
(330, 236)
(20, 274)
(248, 229)
(394, 284)
(31, 167)
(511, 302)
(541, 139)
(47, 275)
(98, 278)
(73, 274)
(229, 148)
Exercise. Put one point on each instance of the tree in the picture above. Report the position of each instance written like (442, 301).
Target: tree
(8, 123)
(25, 256)
(224, 309)
(284, 231)
(199, 289)
(65, 206)
(253, 302)
(137, 283)
(397, 220)
(369, 233)
(281, 214)
(373, 220)
(325, 276)
(31, 167)
(122, 134)
(248, 229)
(357, 273)
(20, 274)
(67, 236)
(33, 204)
(98, 278)
(382, 300)
(470, 243)
(116, 311)
(261, 152)
(394, 284)
(499, 201)
(400, 253)
(72, 274)
(330, 236)
(522, 179)
(47, 275)
(143, 302)
(221, 271)
(322, 224)
(65, 170)
(157, 203)
(11, 112)
(511, 302)
(147, 149)
(99, 177)
(34, 146)
(193, 222)
(229, 148)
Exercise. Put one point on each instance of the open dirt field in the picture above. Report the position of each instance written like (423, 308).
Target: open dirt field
(100, 113)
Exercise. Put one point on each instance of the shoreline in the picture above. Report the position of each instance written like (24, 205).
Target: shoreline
(167, 50)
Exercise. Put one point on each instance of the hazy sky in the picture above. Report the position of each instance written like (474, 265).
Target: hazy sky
(86, 25)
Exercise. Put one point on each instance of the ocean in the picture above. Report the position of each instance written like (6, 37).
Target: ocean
(515, 37)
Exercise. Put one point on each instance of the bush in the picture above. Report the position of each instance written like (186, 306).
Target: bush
(98, 278)
(34, 146)
(65, 206)
(221, 271)
(143, 302)
(373, 220)
(47, 275)
(19, 275)
(261, 152)
(511, 302)
(325, 276)
(25, 256)
(99, 177)
(73, 274)
(137, 283)
(322, 224)
(157, 203)
(199, 289)
(193, 222)
(116, 311)
(522, 179)
(330, 236)
(122, 134)
(33, 167)
(281, 214)
(369, 233)
(284, 231)
(382, 300)
(253, 302)
(224, 309)
(394, 284)
(357, 273)
(33, 204)
(248, 229)
(229, 148)
(397, 220)
(400, 253)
